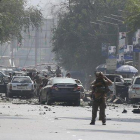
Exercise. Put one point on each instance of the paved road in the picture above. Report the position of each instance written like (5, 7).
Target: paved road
(36, 122)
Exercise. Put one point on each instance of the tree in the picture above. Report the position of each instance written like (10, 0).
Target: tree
(16, 16)
(77, 42)
(132, 14)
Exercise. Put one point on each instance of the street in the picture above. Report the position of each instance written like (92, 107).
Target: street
(21, 121)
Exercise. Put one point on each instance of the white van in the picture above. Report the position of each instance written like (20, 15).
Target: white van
(134, 90)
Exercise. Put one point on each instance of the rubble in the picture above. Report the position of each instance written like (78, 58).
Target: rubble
(124, 111)
(137, 111)
(118, 101)
(134, 106)
(114, 99)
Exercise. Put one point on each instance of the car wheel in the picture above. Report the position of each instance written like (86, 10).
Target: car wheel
(133, 101)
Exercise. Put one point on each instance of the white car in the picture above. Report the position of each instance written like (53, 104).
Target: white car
(20, 86)
(134, 90)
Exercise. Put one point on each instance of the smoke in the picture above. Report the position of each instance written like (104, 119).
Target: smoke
(47, 6)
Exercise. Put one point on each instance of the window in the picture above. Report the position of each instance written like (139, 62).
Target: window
(21, 80)
(137, 81)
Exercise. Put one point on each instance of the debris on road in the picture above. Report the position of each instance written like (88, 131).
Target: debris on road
(124, 111)
(134, 106)
(137, 111)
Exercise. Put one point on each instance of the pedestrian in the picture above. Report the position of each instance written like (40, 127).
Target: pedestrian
(45, 80)
(68, 75)
(38, 82)
(10, 77)
(100, 88)
(58, 71)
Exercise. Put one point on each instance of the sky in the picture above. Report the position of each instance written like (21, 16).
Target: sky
(45, 5)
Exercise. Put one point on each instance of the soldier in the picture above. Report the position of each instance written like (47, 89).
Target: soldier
(38, 82)
(100, 88)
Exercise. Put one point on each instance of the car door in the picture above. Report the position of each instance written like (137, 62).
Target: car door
(136, 85)
(2, 86)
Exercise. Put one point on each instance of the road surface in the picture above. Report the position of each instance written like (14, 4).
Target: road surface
(42, 122)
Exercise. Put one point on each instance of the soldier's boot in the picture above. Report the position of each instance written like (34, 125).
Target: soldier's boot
(103, 122)
(92, 122)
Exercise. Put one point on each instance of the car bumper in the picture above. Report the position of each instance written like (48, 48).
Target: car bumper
(21, 92)
(133, 95)
(64, 97)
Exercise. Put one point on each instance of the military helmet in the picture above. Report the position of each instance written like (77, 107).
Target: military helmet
(98, 74)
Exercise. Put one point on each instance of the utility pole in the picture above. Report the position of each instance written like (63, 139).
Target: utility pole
(12, 53)
(36, 45)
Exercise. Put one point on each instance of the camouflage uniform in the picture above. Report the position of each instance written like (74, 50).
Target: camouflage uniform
(99, 100)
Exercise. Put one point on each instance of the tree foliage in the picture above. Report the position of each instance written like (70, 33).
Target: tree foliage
(15, 16)
(77, 42)
(132, 13)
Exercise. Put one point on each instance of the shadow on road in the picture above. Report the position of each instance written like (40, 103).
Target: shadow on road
(108, 119)
(5, 117)
(108, 131)
(125, 120)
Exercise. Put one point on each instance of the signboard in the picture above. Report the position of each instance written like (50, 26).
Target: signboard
(111, 64)
(128, 52)
(122, 41)
(104, 49)
(136, 41)
(112, 52)
(120, 60)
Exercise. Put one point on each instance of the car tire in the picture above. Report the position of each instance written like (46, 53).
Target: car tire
(133, 101)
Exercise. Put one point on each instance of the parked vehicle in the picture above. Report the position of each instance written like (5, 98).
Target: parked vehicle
(5, 77)
(20, 86)
(3, 86)
(134, 90)
(82, 90)
(60, 90)
(19, 73)
(7, 71)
